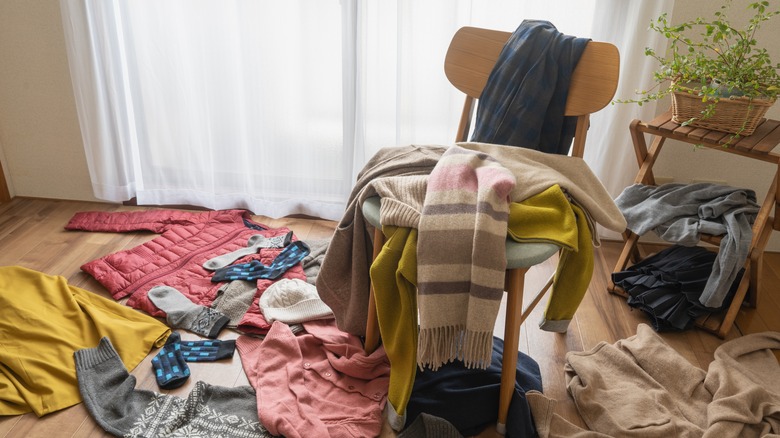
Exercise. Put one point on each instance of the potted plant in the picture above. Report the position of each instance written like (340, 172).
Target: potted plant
(716, 74)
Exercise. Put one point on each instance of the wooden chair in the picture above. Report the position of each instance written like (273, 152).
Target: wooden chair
(470, 59)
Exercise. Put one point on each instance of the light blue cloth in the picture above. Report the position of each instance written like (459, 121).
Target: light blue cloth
(680, 213)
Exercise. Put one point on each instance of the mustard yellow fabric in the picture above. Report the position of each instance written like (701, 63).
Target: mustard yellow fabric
(545, 217)
(43, 321)
(575, 270)
(550, 217)
(394, 278)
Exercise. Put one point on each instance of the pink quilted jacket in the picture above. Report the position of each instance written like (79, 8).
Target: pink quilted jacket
(176, 257)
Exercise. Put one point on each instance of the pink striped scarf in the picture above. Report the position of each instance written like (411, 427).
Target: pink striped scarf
(461, 259)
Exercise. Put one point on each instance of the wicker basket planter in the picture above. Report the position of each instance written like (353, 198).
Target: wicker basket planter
(734, 115)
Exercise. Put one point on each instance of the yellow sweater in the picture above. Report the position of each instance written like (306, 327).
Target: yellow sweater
(394, 278)
(550, 217)
(43, 321)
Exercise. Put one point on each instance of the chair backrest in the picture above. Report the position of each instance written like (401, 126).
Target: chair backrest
(473, 53)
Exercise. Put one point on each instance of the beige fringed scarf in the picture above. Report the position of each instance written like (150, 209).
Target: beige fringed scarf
(461, 258)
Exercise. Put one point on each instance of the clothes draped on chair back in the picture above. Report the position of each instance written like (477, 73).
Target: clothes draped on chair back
(524, 99)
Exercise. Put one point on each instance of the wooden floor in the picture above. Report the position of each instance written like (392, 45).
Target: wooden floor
(32, 235)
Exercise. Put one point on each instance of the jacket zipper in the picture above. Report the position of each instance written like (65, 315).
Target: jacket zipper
(183, 261)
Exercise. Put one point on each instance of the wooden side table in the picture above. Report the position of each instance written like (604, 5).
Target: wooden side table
(758, 146)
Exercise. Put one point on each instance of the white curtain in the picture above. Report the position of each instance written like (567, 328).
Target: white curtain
(609, 150)
(275, 106)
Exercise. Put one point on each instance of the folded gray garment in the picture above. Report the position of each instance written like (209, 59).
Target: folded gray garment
(313, 261)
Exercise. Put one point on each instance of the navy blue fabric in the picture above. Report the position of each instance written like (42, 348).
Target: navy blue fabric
(207, 351)
(253, 226)
(524, 99)
(468, 398)
(289, 257)
(668, 284)
(170, 368)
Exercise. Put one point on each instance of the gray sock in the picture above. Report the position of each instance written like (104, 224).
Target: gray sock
(184, 314)
(233, 300)
(110, 397)
(255, 243)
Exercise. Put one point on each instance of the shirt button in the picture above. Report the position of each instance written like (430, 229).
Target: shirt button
(306, 365)
(327, 374)
(351, 387)
(377, 396)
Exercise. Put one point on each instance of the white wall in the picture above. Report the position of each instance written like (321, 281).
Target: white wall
(40, 140)
(41, 146)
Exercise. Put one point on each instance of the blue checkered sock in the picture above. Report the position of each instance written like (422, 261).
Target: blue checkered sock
(289, 257)
(245, 271)
(170, 369)
(207, 351)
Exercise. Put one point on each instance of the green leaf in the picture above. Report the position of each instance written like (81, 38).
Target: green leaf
(703, 48)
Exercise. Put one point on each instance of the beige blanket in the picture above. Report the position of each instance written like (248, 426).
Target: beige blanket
(641, 387)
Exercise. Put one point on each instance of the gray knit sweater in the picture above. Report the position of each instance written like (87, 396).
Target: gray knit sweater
(113, 402)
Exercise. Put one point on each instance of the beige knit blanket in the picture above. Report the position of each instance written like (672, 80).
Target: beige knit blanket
(641, 387)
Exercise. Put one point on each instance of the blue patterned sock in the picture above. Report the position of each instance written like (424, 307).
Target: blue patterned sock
(290, 255)
(207, 351)
(170, 369)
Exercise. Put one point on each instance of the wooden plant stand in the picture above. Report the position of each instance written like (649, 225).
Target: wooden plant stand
(758, 146)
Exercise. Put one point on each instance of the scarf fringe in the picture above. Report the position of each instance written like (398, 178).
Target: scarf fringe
(438, 346)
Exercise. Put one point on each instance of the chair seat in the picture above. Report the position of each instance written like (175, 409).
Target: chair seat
(518, 255)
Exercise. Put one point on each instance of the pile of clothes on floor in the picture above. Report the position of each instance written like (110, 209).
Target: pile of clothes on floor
(205, 273)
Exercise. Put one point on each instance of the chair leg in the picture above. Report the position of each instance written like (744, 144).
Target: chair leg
(514, 310)
(372, 324)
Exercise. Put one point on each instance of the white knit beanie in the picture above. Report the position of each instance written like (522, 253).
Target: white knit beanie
(292, 301)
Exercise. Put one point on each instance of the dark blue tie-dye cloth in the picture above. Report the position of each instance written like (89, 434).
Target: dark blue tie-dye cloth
(524, 99)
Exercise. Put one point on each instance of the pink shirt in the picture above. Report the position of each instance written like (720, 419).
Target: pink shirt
(317, 384)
